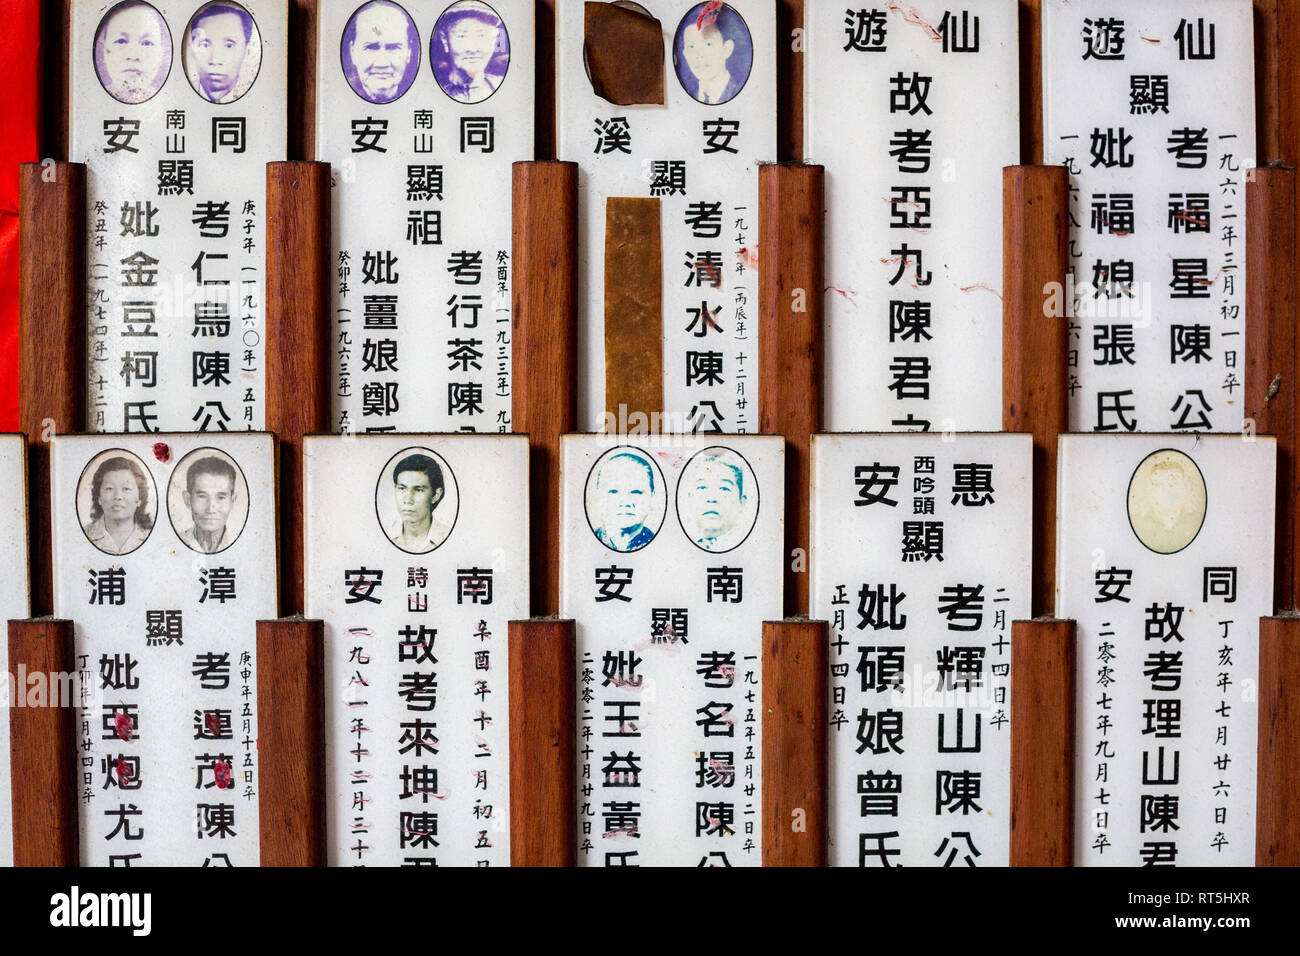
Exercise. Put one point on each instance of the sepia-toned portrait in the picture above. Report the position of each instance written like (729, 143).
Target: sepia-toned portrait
(117, 503)
(1166, 501)
(207, 501)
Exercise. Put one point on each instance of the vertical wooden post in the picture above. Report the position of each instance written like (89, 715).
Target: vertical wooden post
(1277, 800)
(791, 284)
(1031, 81)
(1270, 393)
(1035, 229)
(544, 247)
(795, 715)
(1035, 232)
(43, 745)
(543, 741)
(291, 741)
(52, 339)
(1042, 742)
(297, 341)
(1270, 402)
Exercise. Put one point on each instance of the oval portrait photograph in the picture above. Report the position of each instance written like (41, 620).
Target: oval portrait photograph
(625, 499)
(133, 51)
(717, 499)
(207, 500)
(416, 500)
(380, 51)
(117, 503)
(222, 51)
(1166, 501)
(470, 51)
(712, 53)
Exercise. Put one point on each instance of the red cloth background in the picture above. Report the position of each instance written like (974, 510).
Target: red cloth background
(20, 49)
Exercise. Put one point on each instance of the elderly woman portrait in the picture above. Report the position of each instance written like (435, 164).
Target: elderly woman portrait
(120, 516)
(470, 51)
(380, 51)
(133, 52)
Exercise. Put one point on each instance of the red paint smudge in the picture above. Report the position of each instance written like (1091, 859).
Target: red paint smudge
(849, 295)
(213, 723)
(981, 285)
(712, 271)
(1143, 36)
(123, 773)
(162, 451)
(122, 723)
(709, 15)
(913, 16)
(748, 257)
(222, 774)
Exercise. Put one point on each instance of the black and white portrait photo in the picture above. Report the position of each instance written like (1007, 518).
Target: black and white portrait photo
(117, 502)
(717, 499)
(133, 51)
(380, 51)
(416, 500)
(207, 501)
(222, 52)
(470, 51)
(713, 53)
(625, 499)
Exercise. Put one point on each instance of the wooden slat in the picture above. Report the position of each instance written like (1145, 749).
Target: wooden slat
(1035, 231)
(1269, 393)
(795, 715)
(634, 334)
(1277, 807)
(543, 741)
(1031, 82)
(791, 201)
(544, 319)
(297, 341)
(291, 741)
(302, 79)
(43, 745)
(1042, 742)
(52, 338)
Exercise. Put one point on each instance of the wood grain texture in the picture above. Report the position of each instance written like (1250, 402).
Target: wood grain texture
(1042, 742)
(302, 79)
(795, 715)
(1031, 81)
(789, 84)
(1268, 17)
(1035, 228)
(291, 741)
(544, 340)
(1269, 393)
(52, 339)
(43, 747)
(543, 742)
(1277, 806)
(297, 341)
(791, 280)
(634, 321)
(56, 21)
